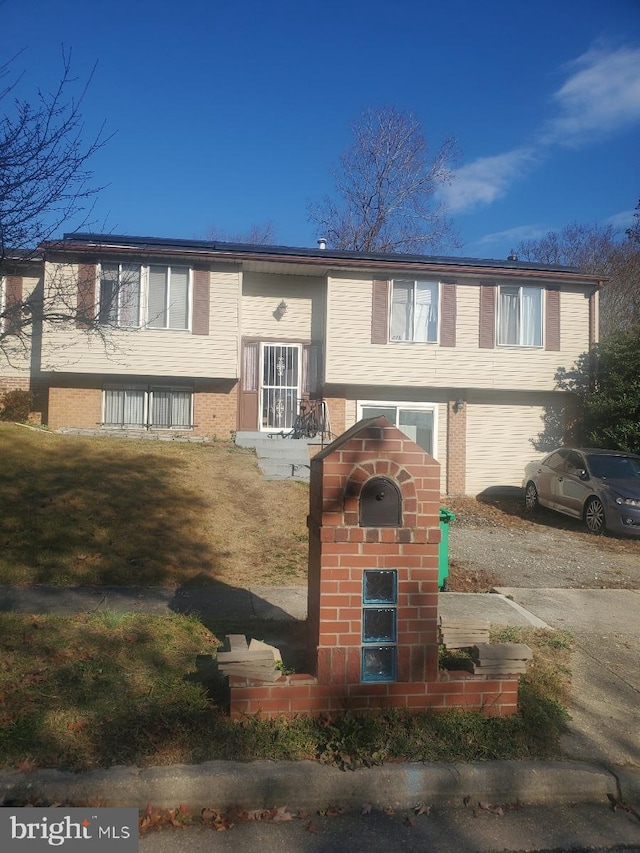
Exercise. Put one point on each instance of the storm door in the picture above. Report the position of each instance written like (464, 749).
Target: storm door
(280, 390)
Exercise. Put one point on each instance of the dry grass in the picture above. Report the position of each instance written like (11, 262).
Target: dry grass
(86, 510)
(135, 689)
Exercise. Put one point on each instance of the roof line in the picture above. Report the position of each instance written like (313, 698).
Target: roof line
(328, 257)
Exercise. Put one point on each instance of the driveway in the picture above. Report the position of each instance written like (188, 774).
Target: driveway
(540, 554)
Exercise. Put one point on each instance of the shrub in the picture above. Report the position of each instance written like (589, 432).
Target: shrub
(15, 405)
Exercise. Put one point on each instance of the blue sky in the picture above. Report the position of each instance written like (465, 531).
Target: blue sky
(228, 114)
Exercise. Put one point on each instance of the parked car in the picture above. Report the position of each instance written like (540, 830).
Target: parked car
(600, 486)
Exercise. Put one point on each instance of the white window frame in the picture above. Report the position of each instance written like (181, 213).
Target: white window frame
(148, 391)
(498, 320)
(404, 404)
(166, 327)
(143, 320)
(117, 321)
(413, 339)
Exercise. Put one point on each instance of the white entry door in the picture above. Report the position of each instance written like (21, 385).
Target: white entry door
(280, 389)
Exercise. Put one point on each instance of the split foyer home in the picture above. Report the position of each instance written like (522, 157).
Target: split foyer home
(212, 339)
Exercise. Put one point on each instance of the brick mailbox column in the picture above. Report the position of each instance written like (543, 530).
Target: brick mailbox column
(374, 535)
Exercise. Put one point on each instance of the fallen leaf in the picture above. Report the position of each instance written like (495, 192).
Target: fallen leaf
(367, 808)
(280, 814)
(421, 809)
(312, 826)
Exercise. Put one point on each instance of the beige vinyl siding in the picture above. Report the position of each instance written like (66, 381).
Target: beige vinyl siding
(16, 359)
(155, 351)
(304, 316)
(503, 435)
(351, 358)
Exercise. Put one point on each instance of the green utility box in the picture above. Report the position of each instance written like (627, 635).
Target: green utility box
(446, 516)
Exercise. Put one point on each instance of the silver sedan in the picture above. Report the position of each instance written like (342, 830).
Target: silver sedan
(602, 487)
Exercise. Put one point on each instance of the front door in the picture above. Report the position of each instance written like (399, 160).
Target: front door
(280, 388)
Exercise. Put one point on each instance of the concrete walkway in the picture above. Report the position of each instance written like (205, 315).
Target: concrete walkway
(604, 734)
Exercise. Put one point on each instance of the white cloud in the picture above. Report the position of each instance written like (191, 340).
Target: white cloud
(601, 96)
(622, 220)
(486, 179)
(513, 236)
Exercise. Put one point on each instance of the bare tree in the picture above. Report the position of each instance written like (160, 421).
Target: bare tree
(386, 188)
(45, 182)
(600, 250)
(633, 233)
(260, 234)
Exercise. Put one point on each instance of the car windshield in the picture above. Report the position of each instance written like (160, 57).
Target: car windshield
(615, 467)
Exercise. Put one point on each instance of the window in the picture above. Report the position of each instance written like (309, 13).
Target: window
(520, 316)
(168, 297)
(120, 294)
(417, 421)
(147, 408)
(379, 624)
(156, 296)
(414, 311)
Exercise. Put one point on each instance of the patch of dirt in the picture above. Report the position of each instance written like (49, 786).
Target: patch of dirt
(464, 577)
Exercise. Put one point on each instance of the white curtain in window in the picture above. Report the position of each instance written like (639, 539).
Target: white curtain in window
(133, 408)
(402, 311)
(170, 408)
(531, 316)
(113, 408)
(509, 316)
(129, 295)
(426, 311)
(181, 409)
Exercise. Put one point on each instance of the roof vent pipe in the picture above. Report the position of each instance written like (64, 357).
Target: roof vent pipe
(322, 243)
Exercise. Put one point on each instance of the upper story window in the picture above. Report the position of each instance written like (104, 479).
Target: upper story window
(168, 297)
(520, 316)
(156, 296)
(120, 294)
(414, 310)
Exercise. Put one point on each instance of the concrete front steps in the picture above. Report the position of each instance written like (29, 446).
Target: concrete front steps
(279, 458)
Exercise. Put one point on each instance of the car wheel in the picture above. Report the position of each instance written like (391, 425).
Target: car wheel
(594, 516)
(531, 501)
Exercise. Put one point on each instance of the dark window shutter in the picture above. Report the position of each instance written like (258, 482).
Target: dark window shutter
(86, 312)
(13, 303)
(487, 316)
(201, 291)
(552, 331)
(448, 318)
(380, 313)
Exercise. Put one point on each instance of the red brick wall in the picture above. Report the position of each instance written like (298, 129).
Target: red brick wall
(79, 404)
(215, 408)
(302, 694)
(75, 406)
(339, 551)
